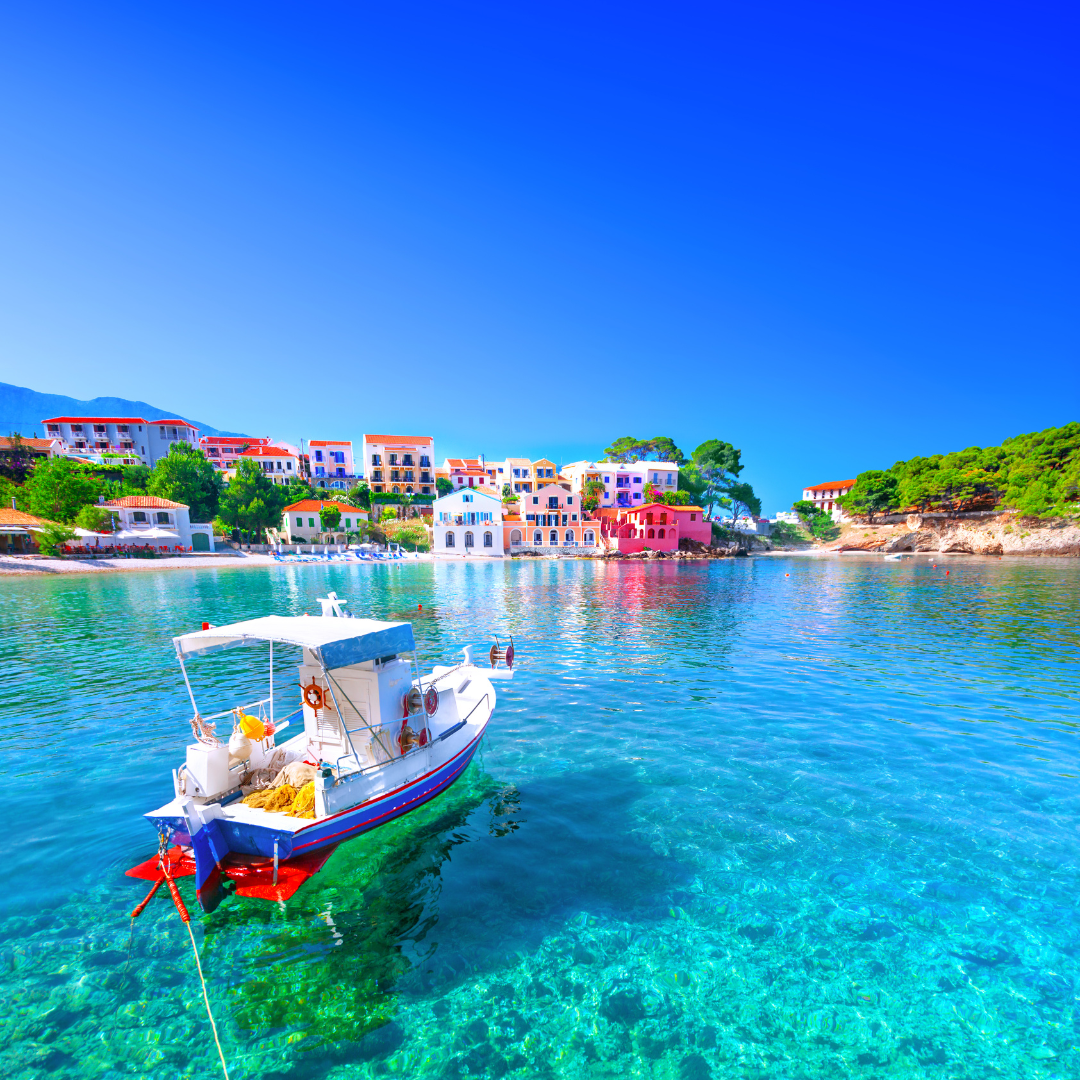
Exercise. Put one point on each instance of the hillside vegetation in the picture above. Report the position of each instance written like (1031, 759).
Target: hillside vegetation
(1037, 475)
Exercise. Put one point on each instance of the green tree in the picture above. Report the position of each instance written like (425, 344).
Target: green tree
(742, 500)
(17, 461)
(185, 476)
(718, 465)
(443, 486)
(59, 487)
(95, 519)
(664, 449)
(360, 496)
(10, 490)
(594, 492)
(136, 479)
(250, 502)
(508, 494)
(875, 492)
(52, 537)
(330, 517)
(388, 514)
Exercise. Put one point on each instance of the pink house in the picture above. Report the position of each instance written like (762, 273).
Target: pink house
(653, 525)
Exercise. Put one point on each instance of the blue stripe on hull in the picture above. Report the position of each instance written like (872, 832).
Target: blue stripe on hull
(349, 823)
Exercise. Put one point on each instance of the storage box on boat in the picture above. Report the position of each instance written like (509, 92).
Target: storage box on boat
(208, 766)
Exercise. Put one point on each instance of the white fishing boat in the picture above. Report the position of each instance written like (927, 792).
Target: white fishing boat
(373, 738)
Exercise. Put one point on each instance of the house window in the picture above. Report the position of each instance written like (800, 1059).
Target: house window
(319, 470)
(669, 480)
(468, 539)
(311, 523)
(318, 455)
(693, 517)
(548, 473)
(487, 539)
(517, 472)
(569, 499)
(538, 537)
(569, 536)
(348, 523)
(536, 500)
(652, 535)
(376, 459)
(288, 466)
(637, 479)
(553, 538)
(299, 523)
(589, 537)
(139, 517)
(660, 535)
(573, 517)
(449, 539)
(162, 517)
(339, 457)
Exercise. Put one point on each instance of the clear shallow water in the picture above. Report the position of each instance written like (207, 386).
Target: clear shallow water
(725, 823)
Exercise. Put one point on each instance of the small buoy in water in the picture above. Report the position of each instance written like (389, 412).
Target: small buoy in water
(946, 573)
(419, 607)
(787, 575)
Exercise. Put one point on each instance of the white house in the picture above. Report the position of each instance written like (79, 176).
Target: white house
(146, 520)
(130, 436)
(301, 522)
(468, 523)
(826, 496)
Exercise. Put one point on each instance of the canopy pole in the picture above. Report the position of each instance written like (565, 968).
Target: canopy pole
(271, 684)
(187, 681)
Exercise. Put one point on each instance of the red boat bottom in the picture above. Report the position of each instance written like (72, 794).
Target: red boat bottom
(179, 864)
(252, 874)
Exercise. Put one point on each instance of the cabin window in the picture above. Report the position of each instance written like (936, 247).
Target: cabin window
(449, 539)
(487, 539)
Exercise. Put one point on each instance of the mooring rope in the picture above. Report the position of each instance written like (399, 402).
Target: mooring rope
(185, 918)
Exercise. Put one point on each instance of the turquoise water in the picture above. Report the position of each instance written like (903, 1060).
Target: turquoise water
(726, 822)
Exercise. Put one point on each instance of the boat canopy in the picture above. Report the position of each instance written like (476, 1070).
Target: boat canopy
(335, 641)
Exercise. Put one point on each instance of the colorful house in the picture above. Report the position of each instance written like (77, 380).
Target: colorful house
(222, 451)
(18, 531)
(471, 473)
(551, 517)
(468, 522)
(400, 464)
(301, 522)
(653, 525)
(331, 464)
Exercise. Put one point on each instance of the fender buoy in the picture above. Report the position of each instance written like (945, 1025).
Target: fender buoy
(313, 695)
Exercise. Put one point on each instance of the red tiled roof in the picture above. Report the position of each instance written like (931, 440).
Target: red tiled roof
(267, 451)
(831, 484)
(319, 504)
(145, 502)
(33, 444)
(8, 516)
(180, 423)
(98, 420)
(231, 440)
(399, 438)
(329, 442)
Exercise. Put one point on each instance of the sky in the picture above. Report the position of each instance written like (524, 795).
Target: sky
(834, 235)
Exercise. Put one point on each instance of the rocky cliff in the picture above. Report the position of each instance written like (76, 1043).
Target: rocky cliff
(1001, 534)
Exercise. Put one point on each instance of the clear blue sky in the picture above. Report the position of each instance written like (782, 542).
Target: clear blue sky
(832, 234)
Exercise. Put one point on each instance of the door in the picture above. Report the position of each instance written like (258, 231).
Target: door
(200, 542)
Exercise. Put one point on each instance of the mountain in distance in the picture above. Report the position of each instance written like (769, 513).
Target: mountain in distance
(22, 410)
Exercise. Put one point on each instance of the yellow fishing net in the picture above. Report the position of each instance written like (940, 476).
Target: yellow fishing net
(285, 799)
(272, 799)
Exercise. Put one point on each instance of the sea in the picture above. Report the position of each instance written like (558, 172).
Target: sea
(757, 818)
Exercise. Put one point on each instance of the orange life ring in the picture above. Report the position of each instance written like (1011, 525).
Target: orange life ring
(313, 695)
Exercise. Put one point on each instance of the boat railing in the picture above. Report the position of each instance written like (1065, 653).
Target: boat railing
(243, 708)
(413, 750)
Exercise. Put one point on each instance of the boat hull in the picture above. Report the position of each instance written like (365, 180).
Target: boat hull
(239, 850)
